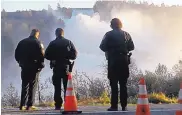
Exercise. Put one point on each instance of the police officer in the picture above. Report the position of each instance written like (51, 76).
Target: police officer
(60, 51)
(116, 44)
(30, 56)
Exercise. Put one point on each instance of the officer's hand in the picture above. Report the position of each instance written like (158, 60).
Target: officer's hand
(52, 63)
(40, 69)
(42, 65)
(106, 55)
(20, 65)
(108, 77)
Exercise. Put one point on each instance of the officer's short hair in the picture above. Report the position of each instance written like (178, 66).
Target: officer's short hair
(116, 23)
(33, 32)
(59, 32)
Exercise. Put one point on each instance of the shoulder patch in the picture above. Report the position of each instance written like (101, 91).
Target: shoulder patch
(127, 38)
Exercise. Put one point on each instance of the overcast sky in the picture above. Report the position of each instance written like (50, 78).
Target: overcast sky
(13, 5)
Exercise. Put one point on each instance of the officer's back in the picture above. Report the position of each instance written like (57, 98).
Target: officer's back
(29, 52)
(60, 50)
(116, 42)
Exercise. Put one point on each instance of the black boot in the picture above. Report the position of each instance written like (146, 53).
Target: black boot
(112, 109)
(124, 109)
(57, 108)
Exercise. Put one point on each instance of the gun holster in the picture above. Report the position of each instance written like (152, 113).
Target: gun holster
(52, 63)
(129, 57)
(71, 64)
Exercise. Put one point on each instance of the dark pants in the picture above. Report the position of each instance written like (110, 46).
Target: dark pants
(59, 74)
(118, 72)
(29, 84)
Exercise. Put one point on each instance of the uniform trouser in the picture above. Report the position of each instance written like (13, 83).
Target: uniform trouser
(114, 92)
(59, 75)
(29, 85)
(118, 72)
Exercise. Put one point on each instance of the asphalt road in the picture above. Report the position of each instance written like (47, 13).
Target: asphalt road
(87, 109)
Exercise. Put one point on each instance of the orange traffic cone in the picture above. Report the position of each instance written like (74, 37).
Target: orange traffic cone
(70, 105)
(142, 104)
(179, 112)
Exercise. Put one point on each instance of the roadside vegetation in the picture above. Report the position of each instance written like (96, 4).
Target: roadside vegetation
(162, 87)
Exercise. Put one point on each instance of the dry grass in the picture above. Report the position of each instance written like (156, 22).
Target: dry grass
(104, 100)
(46, 104)
(158, 98)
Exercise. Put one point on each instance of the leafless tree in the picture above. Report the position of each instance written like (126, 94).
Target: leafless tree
(11, 97)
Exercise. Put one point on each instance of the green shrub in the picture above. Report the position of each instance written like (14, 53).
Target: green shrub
(104, 99)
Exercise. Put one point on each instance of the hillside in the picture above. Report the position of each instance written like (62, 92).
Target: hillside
(106, 8)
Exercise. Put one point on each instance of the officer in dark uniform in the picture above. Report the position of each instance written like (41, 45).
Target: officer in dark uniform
(30, 56)
(60, 51)
(116, 44)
